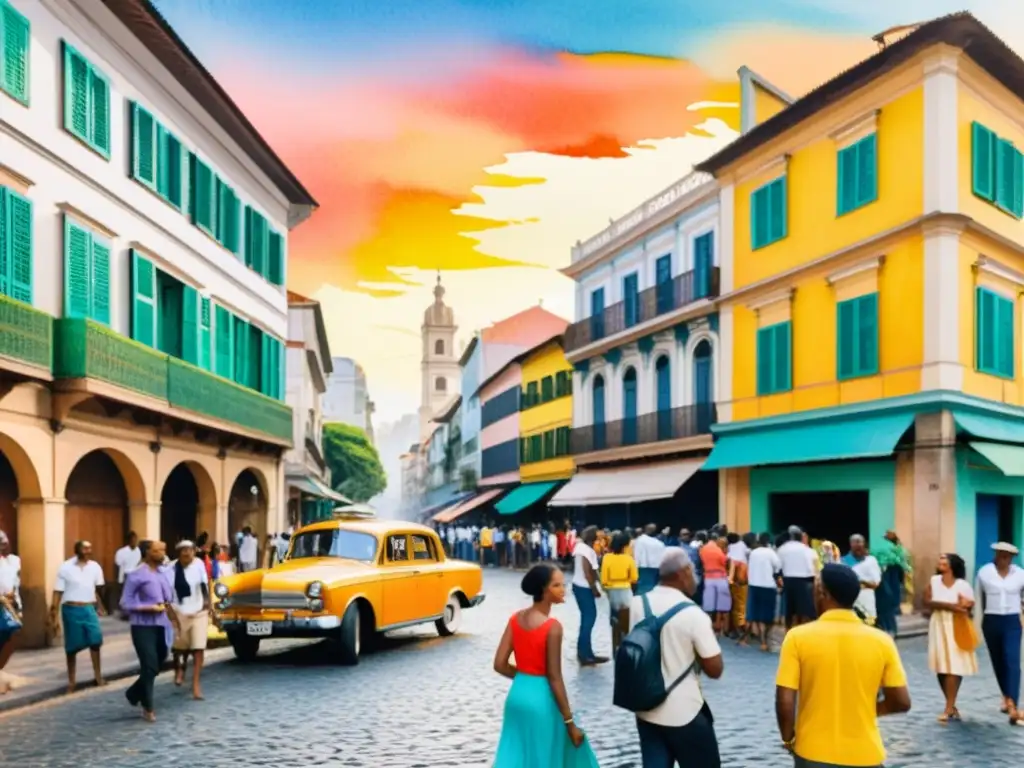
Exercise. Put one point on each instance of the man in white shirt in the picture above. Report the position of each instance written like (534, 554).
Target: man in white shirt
(449, 535)
(798, 573)
(76, 596)
(191, 588)
(763, 579)
(681, 730)
(10, 573)
(248, 551)
(586, 591)
(647, 551)
(126, 559)
(868, 571)
(535, 543)
(1000, 587)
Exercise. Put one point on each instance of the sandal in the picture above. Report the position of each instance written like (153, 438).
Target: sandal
(943, 718)
(956, 715)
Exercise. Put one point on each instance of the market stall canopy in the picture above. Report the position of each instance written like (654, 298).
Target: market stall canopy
(524, 496)
(626, 485)
(314, 487)
(474, 502)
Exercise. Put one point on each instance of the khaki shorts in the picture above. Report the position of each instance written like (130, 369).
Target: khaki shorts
(193, 633)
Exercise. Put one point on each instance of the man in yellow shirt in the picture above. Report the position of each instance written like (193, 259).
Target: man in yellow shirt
(830, 671)
(486, 545)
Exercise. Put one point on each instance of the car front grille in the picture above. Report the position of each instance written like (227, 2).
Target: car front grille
(288, 601)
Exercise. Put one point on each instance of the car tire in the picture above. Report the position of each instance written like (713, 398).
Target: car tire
(246, 648)
(450, 621)
(350, 636)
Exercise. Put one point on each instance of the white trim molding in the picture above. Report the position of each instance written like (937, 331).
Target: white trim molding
(998, 270)
(873, 264)
(775, 297)
(771, 170)
(856, 129)
(941, 150)
(942, 369)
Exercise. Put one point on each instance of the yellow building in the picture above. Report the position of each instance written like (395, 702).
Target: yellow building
(545, 426)
(870, 305)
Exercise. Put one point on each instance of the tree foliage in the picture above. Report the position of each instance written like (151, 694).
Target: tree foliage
(355, 465)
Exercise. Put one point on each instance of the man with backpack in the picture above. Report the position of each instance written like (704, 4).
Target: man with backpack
(669, 642)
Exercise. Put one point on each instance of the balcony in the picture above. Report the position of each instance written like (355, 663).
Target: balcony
(650, 303)
(26, 335)
(657, 427)
(88, 351)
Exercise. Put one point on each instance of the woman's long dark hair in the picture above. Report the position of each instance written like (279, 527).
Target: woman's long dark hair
(956, 565)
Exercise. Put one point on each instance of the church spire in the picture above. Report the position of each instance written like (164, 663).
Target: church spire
(439, 290)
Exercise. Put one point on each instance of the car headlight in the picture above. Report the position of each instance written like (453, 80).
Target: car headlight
(315, 590)
(316, 605)
(220, 590)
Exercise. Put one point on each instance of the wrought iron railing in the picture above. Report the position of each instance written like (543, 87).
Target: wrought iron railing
(655, 427)
(26, 334)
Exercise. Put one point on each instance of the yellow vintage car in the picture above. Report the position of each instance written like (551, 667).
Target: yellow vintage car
(348, 580)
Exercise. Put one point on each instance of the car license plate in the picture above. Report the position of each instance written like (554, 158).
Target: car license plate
(258, 628)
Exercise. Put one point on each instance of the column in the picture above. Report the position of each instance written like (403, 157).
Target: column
(942, 367)
(41, 548)
(207, 519)
(933, 519)
(734, 499)
(144, 519)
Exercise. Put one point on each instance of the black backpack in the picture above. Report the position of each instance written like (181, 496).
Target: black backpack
(639, 684)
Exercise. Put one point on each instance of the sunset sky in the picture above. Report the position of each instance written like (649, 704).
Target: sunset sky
(483, 138)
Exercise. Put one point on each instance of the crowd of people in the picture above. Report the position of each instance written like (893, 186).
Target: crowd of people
(838, 619)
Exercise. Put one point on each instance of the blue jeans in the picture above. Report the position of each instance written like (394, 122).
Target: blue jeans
(1003, 638)
(588, 618)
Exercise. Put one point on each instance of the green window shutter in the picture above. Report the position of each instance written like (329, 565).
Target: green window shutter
(76, 93)
(144, 146)
(782, 358)
(547, 389)
(846, 193)
(190, 325)
(201, 196)
(1004, 173)
(143, 299)
(1017, 199)
(77, 248)
(985, 329)
(227, 216)
(275, 258)
(522, 450)
(99, 271)
(241, 332)
(254, 374)
(1005, 362)
(867, 169)
(169, 166)
(759, 213)
(16, 245)
(256, 241)
(983, 161)
(99, 105)
(846, 339)
(867, 335)
(536, 448)
(549, 444)
(765, 366)
(778, 226)
(15, 45)
(224, 347)
(248, 236)
(266, 364)
(205, 324)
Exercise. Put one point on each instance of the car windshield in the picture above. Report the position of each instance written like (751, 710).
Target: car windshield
(334, 542)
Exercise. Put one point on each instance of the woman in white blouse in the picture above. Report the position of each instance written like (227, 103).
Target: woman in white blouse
(1001, 590)
(948, 593)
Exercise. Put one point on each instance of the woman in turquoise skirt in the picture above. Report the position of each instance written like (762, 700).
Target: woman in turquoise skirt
(539, 730)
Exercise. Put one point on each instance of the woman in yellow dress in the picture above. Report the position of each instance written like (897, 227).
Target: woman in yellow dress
(618, 575)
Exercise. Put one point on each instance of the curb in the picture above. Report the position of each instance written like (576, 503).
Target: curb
(217, 652)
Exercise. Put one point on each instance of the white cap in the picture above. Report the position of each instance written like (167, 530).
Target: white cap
(185, 544)
(1005, 546)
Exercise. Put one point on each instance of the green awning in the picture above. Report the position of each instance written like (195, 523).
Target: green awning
(312, 486)
(1009, 459)
(801, 442)
(1002, 429)
(520, 498)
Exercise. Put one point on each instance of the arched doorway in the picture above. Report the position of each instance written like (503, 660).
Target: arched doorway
(703, 385)
(663, 397)
(179, 507)
(8, 497)
(629, 406)
(247, 507)
(599, 413)
(97, 509)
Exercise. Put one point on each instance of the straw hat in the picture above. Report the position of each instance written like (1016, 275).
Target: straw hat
(1005, 546)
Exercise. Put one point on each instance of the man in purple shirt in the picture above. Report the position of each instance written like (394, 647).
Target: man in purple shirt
(146, 597)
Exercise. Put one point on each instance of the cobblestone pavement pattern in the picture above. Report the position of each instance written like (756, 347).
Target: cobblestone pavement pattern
(427, 702)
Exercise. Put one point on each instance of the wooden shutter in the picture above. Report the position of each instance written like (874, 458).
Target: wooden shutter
(1005, 337)
(983, 161)
(99, 107)
(549, 444)
(169, 166)
(16, 244)
(190, 325)
(867, 170)
(846, 338)
(867, 335)
(266, 364)
(846, 193)
(241, 332)
(783, 364)
(1004, 173)
(76, 93)
(759, 213)
(15, 44)
(144, 146)
(99, 287)
(143, 277)
(522, 450)
(765, 366)
(205, 324)
(547, 389)
(777, 210)
(224, 347)
(227, 216)
(985, 328)
(275, 258)
(255, 373)
(77, 247)
(1017, 200)
(256, 241)
(201, 196)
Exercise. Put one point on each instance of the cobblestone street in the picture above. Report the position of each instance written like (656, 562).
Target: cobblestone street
(426, 702)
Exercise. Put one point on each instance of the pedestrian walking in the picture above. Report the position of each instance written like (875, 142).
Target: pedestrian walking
(126, 559)
(647, 551)
(799, 566)
(10, 606)
(146, 599)
(538, 729)
(681, 728)
(618, 575)
(191, 607)
(586, 591)
(486, 545)
(76, 595)
(892, 559)
(449, 534)
(500, 550)
(1001, 589)
(248, 551)
(738, 554)
(870, 574)
(717, 596)
(950, 599)
(830, 673)
(764, 577)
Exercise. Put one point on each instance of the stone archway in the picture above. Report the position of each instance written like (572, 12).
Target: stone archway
(247, 506)
(99, 490)
(18, 479)
(188, 504)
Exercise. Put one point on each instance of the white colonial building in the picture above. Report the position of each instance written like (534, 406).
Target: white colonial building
(142, 280)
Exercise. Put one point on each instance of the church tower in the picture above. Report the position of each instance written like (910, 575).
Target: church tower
(439, 363)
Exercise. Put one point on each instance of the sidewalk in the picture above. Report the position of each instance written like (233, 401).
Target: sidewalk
(41, 674)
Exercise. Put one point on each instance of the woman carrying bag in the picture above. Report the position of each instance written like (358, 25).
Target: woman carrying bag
(952, 639)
